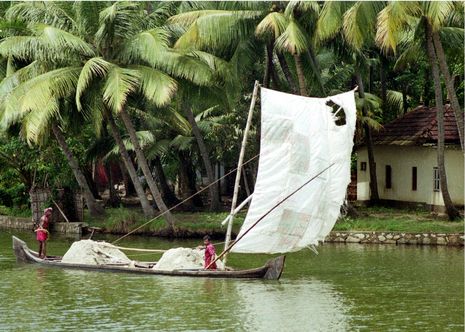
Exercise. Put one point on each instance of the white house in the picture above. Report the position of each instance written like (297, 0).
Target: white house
(406, 160)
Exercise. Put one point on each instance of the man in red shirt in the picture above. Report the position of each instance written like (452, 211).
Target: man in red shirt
(209, 253)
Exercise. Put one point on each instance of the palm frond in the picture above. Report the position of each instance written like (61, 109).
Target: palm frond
(155, 85)
(303, 6)
(51, 13)
(391, 21)
(39, 93)
(49, 43)
(219, 30)
(394, 100)
(273, 24)
(94, 67)
(358, 22)
(182, 142)
(294, 40)
(120, 82)
(145, 45)
(437, 12)
(330, 19)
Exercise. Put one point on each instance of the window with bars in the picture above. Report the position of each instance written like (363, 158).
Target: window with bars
(436, 179)
(388, 183)
(363, 166)
(414, 178)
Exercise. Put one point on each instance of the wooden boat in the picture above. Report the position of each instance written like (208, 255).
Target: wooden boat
(272, 270)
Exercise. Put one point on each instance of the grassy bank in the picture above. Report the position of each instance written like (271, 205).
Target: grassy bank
(122, 220)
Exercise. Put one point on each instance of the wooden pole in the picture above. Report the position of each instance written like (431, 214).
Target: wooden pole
(62, 213)
(229, 247)
(239, 167)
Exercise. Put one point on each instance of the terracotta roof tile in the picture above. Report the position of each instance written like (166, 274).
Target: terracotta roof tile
(418, 127)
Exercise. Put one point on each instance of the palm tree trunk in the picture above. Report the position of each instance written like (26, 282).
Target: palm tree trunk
(268, 64)
(146, 207)
(382, 77)
(287, 72)
(450, 86)
(94, 208)
(186, 177)
(142, 162)
(300, 75)
(215, 198)
(316, 69)
(167, 194)
(130, 191)
(374, 196)
(452, 212)
(114, 200)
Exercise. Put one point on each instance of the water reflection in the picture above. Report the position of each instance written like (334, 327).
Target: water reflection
(316, 305)
(345, 287)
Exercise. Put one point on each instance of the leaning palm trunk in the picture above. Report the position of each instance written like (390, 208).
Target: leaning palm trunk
(146, 207)
(450, 86)
(94, 208)
(269, 63)
(316, 69)
(166, 192)
(374, 196)
(142, 162)
(452, 212)
(300, 74)
(214, 193)
(287, 72)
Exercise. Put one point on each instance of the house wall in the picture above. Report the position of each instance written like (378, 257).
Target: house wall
(402, 159)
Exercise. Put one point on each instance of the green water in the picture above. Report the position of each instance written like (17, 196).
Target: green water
(344, 288)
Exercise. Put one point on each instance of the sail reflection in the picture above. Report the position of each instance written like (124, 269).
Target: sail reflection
(307, 305)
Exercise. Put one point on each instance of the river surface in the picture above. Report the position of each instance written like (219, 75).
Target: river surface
(343, 288)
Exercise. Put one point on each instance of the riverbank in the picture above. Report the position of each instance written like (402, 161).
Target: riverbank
(373, 225)
(196, 224)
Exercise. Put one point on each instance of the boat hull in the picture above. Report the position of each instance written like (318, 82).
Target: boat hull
(272, 270)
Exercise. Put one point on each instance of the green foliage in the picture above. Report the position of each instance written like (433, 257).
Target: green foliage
(65, 62)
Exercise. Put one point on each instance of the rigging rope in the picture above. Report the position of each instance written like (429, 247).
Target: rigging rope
(188, 198)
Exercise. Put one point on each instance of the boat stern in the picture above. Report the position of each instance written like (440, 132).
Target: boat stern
(275, 268)
(19, 248)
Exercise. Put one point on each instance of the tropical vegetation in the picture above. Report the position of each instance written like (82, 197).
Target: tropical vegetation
(154, 95)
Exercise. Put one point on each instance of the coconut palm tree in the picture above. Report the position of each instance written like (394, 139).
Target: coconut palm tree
(282, 27)
(35, 103)
(396, 25)
(126, 48)
(425, 19)
(354, 24)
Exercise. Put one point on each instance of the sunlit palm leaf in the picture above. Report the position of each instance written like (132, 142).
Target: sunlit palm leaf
(120, 82)
(437, 11)
(273, 24)
(94, 67)
(155, 85)
(391, 22)
(38, 93)
(293, 40)
(330, 19)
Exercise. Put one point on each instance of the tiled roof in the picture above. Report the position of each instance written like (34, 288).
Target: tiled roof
(418, 127)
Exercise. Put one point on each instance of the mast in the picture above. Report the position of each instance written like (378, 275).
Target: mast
(239, 168)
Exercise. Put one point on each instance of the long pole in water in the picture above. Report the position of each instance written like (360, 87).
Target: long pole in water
(239, 167)
(229, 247)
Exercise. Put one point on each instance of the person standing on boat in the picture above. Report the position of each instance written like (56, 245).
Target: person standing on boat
(42, 231)
(210, 253)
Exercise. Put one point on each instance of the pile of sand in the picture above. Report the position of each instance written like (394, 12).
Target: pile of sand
(182, 258)
(94, 253)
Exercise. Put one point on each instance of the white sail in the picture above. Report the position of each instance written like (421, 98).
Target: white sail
(299, 139)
